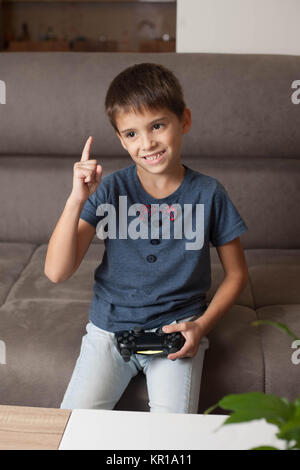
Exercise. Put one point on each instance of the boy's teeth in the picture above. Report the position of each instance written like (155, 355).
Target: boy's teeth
(156, 156)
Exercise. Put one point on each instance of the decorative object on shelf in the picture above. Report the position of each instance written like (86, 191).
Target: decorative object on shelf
(146, 30)
(50, 35)
(25, 36)
(42, 32)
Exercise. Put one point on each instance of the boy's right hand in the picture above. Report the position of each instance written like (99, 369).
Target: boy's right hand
(86, 175)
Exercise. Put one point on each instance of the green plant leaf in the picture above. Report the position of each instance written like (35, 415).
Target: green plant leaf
(212, 408)
(280, 326)
(257, 405)
(290, 431)
(265, 448)
(297, 406)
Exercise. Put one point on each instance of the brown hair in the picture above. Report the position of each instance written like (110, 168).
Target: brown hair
(144, 86)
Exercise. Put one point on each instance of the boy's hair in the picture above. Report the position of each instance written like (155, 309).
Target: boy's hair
(144, 86)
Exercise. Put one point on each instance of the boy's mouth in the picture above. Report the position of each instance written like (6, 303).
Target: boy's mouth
(155, 158)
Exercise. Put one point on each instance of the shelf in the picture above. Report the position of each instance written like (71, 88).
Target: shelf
(89, 46)
(89, 1)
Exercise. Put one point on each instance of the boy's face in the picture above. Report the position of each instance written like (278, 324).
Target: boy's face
(151, 133)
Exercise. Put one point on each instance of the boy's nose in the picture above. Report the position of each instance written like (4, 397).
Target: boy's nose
(148, 144)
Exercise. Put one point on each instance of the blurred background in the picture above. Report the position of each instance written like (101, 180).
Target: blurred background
(97, 25)
(209, 26)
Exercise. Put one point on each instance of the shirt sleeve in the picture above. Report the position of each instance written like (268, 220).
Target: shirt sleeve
(226, 222)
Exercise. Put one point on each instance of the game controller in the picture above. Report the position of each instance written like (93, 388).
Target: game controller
(157, 343)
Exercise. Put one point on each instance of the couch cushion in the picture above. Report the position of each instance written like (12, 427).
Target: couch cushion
(41, 188)
(274, 276)
(281, 374)
(42, 339)
(263, 257)
(234, 361)
(13, 259)
(42, 324)
(34, 284)
(275, 284)
(217, 275)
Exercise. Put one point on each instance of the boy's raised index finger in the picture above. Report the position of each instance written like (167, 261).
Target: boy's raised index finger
(86, 150)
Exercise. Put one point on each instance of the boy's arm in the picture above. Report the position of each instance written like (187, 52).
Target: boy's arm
(68, 244)
(72, 236)
(235, 280)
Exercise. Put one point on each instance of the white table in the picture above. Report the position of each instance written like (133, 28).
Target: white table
(130, 430)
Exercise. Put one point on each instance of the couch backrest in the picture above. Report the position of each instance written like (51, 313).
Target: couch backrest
(245, 132)
(241, 104)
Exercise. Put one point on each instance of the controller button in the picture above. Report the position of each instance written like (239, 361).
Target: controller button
(138, 330)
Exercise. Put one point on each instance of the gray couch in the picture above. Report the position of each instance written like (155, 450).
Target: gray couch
(245, 133)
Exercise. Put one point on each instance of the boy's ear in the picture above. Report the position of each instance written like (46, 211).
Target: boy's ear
(186, 120)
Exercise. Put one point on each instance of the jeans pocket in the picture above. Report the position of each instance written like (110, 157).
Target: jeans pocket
(91, 328)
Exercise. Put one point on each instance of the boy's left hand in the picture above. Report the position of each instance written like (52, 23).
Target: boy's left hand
(192, 331)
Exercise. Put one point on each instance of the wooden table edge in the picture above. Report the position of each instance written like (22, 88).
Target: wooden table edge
(32, 428)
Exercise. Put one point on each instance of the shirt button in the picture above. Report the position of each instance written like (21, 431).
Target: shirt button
(155, 241)
(151, 258)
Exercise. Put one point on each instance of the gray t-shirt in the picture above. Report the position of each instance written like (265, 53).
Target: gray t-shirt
(156, 264)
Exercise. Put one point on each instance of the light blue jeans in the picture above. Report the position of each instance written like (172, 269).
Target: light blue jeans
(101, 376)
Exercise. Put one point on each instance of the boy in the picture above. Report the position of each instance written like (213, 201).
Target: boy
(152, 274)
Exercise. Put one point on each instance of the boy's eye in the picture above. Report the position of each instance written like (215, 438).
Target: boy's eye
(132, 132)
(129, 134)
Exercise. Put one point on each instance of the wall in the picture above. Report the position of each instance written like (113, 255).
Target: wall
(238, 26)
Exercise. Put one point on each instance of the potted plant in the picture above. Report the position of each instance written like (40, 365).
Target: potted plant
(257, 405)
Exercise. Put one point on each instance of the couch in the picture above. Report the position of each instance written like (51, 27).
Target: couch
(245, 132)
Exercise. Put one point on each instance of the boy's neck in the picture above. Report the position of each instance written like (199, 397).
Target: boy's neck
(161, 185)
